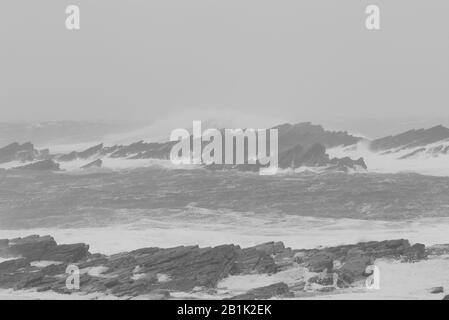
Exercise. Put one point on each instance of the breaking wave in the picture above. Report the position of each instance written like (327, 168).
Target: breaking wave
(426, 163)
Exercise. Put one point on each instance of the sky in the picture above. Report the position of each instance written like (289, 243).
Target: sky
(262, 60)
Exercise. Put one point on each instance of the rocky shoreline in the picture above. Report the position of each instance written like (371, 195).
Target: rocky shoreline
(39, 263)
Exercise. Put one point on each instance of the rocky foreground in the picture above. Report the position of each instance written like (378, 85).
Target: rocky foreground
(39, 263)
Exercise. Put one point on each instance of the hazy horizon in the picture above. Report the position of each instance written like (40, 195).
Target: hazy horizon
(266, 62)
(83, 134)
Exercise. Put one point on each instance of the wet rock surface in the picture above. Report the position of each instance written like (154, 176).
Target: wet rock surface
(275, 290)
(40, 263)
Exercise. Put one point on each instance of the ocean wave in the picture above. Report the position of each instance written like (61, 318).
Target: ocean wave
(426, 164)
(245, 230)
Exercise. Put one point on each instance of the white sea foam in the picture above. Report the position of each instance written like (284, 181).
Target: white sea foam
(97, 271)
(6, 259)
(425, 163)
(74, 166)
(243, 283)
(14, 164)
(398, 281)
(43, 263)
(296, 232)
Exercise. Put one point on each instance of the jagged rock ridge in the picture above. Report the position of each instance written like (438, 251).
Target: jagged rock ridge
(302, 144)
(40, 263)
(22, 152)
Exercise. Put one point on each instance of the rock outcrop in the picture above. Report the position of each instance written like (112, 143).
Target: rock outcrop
(351, 261)
(35, 248)
(40, 263)
(307, 134)
(94, 164)
(411, 139)
(279, 289)
(44, 165)
(22, 153)
(316, 156)
(86, 154)
(302, 144)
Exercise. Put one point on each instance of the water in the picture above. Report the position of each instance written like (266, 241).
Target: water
(116, 211)
(163, 207)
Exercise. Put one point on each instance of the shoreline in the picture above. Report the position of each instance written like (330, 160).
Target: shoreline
(245, 231)
(265, 271)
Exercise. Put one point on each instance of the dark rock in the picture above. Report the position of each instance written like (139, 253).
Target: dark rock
(149, 272)
(31, 247)
(354, 269)
(21, 152)
(320, 261)
(271, 248)
(326, 289)
(82, 155)
(66, 252)
(285, 260)
(10, 280)
(307, 134)
(54, 269)
(94, 260)
(134, 288)
(416, 252)
(275, 290)
(377, 249)
(446, 297)
(35, 248)
(439, 249)
(437, 290)
(13, 265)
(300, 286)
(314, 156)
(94, 164)
(323, 279)
(355, 258)
(44, 165)
(182, 269)
(109, 283)
(302, 144)
(121, 261)
(254, 260)
(30, 280)
(189, 267)
(411, 139)
(342, 164)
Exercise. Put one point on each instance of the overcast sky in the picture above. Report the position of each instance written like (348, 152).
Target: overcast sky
(292, 60)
